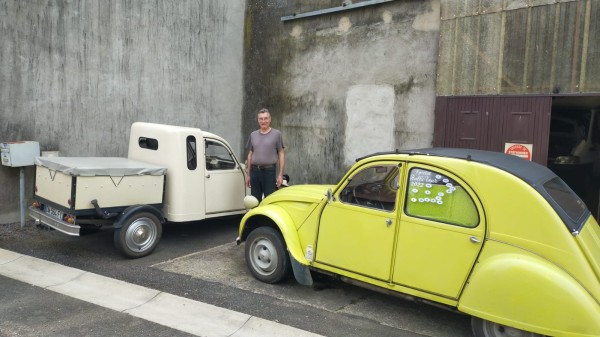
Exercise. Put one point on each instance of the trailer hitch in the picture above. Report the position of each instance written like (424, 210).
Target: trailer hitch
(101, 213)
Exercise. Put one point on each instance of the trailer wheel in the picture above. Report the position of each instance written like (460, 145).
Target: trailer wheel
(139, 235)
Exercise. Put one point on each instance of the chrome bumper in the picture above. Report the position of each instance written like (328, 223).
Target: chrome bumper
(61, 226)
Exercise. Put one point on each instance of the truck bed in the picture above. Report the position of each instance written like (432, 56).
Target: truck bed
(73, 182)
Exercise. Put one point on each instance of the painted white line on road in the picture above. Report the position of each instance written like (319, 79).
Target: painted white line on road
(176, 312)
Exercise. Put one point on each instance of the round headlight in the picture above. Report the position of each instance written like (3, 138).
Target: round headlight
(250, 202)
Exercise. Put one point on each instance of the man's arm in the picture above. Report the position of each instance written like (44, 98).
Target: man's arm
(281, 154)
(248, 167)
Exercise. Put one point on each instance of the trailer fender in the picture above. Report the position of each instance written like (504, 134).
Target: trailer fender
(135, 209)
(523, 290)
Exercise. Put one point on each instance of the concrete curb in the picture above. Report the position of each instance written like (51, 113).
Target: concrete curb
(176, 312)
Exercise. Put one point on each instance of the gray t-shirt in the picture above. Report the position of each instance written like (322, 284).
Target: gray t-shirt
(265, 146)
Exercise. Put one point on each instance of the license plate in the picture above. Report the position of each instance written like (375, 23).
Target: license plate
(54, 212)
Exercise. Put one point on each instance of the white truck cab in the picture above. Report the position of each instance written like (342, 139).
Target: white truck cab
(171, 174)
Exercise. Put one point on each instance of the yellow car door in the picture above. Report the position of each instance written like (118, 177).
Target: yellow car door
(357, 228)
(441, 232)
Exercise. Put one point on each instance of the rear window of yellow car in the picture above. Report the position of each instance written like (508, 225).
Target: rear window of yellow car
(435, 196)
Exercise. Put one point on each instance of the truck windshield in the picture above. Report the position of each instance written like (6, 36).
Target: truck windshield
(566, 199)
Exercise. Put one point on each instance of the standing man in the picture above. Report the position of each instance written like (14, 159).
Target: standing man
(265, 149)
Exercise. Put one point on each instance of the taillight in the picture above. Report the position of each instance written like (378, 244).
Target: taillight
(69, 218)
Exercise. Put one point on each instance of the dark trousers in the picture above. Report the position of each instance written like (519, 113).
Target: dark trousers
(262, 181)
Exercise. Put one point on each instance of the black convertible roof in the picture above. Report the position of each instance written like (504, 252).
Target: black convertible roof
(532, 173)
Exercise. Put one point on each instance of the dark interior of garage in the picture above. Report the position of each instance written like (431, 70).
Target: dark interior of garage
(574, 146)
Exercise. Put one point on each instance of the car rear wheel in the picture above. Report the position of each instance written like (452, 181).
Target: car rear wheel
(139, 235)
(266, 255)
(483, 328)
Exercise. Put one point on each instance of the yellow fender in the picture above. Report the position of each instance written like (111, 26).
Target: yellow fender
(516, 288)
(283, 221)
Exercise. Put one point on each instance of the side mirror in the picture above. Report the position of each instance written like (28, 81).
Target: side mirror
(250, 202)
(330, 197)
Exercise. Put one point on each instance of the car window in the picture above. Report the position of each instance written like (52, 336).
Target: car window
(373, 187)
(435, 196)
(566, 199)
(217, 157)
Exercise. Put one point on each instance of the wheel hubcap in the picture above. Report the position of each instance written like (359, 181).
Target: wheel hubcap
(264, 256)
(141, 234)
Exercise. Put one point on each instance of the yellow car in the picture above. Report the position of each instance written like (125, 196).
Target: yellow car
(491, 235)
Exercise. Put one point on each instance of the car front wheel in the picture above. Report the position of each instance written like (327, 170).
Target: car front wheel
(266, 255)
(483, 328)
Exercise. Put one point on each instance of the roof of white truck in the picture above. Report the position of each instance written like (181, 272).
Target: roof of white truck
(149, 129)
(100, 166)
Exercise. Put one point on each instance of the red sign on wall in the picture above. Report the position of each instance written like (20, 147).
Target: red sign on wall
(520, 150)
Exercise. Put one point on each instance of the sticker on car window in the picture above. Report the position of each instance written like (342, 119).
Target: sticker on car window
(434, 196)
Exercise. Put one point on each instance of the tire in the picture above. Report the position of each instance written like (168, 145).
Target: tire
(139, 235)
(483, 328)
(267, 256)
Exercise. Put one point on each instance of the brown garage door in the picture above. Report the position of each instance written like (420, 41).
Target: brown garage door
(488, 123)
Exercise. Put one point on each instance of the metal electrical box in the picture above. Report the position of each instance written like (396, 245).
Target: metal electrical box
(19, 153)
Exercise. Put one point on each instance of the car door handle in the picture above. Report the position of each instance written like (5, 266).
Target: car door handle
(388, 222)
(208, 176)
(475, 239)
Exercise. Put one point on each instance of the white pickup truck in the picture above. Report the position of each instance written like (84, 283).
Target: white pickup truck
(174, 174)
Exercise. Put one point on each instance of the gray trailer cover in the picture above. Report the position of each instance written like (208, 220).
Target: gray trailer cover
(99, 166)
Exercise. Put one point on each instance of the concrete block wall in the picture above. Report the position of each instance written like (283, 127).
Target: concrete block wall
(74, 75)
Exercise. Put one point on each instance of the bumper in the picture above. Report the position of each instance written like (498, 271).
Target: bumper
(61, 226)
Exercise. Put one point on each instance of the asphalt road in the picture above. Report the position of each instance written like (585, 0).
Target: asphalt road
(201, 261)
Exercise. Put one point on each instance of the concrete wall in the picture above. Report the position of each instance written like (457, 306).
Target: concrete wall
(344, 84)
(75, 74)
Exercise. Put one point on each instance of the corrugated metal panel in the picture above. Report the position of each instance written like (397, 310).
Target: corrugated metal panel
(540, 49)
(486, 78)
(592, 54)
(465, 57)
(519, 47)
(568, 47)
(514, 52)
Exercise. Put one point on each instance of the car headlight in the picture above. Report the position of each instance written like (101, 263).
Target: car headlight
(250, 202)
(566, 160)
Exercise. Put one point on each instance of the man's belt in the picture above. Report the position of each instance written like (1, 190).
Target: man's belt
(263, 167)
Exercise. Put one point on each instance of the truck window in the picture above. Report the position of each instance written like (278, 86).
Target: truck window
(192, 157)
(148, 143)
(218, 157)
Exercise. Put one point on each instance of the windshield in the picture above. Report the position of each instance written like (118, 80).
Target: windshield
(566, 199)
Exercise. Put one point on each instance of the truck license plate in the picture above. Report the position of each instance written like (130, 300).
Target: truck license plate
(54, 212)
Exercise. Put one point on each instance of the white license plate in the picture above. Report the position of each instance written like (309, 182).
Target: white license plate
(54, 212)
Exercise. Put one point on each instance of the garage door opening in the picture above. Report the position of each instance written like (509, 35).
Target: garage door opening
(574, 146)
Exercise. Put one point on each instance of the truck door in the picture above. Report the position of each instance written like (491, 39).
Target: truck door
(224, 184)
